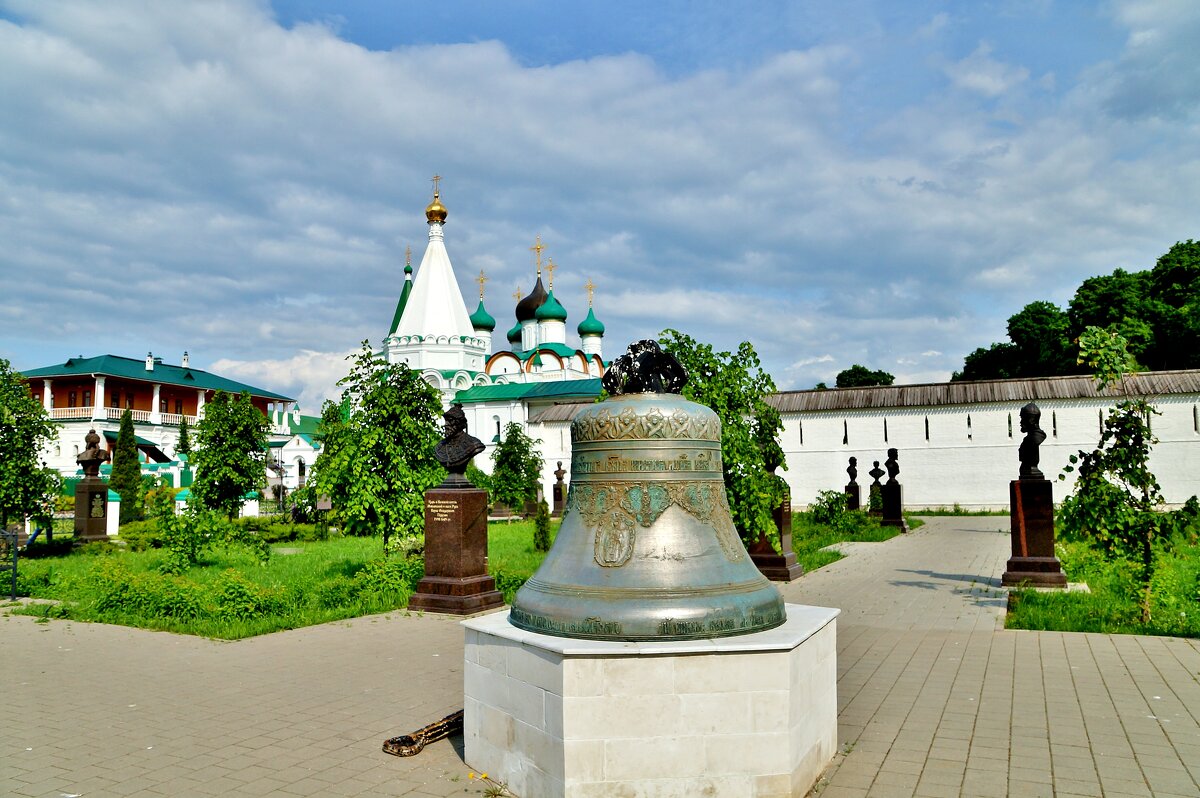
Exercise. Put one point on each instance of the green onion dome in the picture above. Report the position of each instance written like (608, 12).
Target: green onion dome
(591, 325)
(551, 309)
(514, 335)
(481, 319)
(528, 306)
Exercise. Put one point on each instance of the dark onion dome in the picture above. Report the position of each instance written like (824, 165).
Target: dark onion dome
(528, 306)
(436, 211)
(551, 309)
(481, 319)
(591, 325)
(514, 335)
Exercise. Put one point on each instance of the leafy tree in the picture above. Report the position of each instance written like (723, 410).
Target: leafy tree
(735, 387)
(27, 485)
(541, 527)
(1117, 501)
(1040, 333)
(997, 362)
(184, 446)
(376, 459)
(516, 468)
(860, 377)
(230, 456)
(126, 478)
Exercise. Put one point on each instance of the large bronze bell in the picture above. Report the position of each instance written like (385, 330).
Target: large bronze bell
(647, 549)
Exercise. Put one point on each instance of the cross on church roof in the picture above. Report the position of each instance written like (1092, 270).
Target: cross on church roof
(481, 279)
(538, 247)
(435, 180)
(517, 294)
(591, 287)
(408, 255)
(550, 267)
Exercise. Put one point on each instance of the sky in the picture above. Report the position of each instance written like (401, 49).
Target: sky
(859, 182)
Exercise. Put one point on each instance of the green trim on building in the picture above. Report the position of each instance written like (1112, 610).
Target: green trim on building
(557, 389)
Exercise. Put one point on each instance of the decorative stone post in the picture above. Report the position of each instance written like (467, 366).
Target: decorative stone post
(892, 493)
(1031, 510)
(559, 491)
(853, 494)
(91, 493)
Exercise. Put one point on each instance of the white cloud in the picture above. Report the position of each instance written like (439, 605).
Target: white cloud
(981, 73)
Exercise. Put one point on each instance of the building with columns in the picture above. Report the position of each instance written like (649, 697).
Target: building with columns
(93, 392)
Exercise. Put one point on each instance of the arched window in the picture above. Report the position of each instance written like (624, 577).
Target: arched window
(57, 450)
(926, 427)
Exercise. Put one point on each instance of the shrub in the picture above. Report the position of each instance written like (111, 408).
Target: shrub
(237, 598)
(829, 508)
(390, 575)
(541, 527)
(142, 535)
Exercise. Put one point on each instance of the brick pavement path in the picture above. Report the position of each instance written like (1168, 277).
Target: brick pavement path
(934, 699)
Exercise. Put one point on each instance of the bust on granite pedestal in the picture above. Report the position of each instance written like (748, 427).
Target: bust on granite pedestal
(1031, 509)
(782, 566)
(559, 492)
(892, 493)
(875, 491)
(456, 578)
(647, 655)
(91, 492)
(853, 494)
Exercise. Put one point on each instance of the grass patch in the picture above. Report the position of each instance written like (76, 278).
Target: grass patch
(810, 538)
(953, 510)
(511, 556)
(1112, 606)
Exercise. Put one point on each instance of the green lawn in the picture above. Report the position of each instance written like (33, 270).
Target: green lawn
(229, 594)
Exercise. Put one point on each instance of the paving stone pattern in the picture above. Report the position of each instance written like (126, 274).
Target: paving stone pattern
(934, 698)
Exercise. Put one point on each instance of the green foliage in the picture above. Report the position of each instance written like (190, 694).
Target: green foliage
(376, 458)
(541, 527)
(478, 478)
(830, 508)
(126, 478)
(516, 469)
(811, 538)
(1117, 502)
(735, 387)
(860, 376)
(27, 485)
(184, 445)
(230, 456)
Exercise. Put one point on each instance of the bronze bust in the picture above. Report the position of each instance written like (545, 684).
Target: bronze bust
(92, 456)
(1030, 452)
(457, 448)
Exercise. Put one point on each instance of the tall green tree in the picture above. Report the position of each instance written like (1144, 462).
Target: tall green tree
(27, 485)
(230, 456)
(184, 446)
(126, 478)
(516, 468)
(735, 387)
(860, 377)
(376, 459)
(1117, 503)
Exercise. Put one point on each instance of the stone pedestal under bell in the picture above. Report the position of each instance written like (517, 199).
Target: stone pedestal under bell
(456, 578)
(752, 715)
(1031, 503)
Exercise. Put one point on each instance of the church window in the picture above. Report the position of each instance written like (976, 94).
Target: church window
(128, 400)
(162, 405)
(885, 436)
(57, 450)
(71, 399)
(87, 398)
(115, 398)
(845, 433)
(76, 448)
(179, 406)
(926, 427)
(1010, 425)
(497, 420)
(969, 435)
(1054, 423)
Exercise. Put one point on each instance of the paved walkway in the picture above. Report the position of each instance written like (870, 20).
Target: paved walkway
(935, 699)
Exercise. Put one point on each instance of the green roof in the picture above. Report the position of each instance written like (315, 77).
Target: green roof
(557, 389)
(515, 333)
(165, 373)
(307, 426)
(556, 348)
(551, 309)
(403, 298)
(591, 325)
(481, 319)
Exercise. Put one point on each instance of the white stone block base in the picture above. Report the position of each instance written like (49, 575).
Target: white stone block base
(752, 716)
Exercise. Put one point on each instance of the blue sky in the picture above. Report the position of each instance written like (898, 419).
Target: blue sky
(864, 182)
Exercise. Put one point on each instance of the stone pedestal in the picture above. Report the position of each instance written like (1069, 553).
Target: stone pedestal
(1031, 503)
(752, 715)
(873, 491)
(853, 496)
(91, 510)
(778, 567)
(892, 494)
(560, 497)
(456, 579)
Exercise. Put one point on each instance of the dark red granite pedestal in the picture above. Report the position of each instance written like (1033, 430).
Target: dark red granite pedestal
(1031, 508)
(853, 496)
(873, 490)
(91, 510)
(778, 567)
(456, 579)
(892, 494)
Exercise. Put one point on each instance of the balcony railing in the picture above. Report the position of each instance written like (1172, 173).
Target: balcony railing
(70, 412)
(173, 419)
(114, 414)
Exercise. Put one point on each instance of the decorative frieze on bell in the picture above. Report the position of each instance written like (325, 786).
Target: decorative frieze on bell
(647, 549)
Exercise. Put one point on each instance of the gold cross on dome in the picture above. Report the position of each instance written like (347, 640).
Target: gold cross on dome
(591, 288)
(550, 267)
(538, 247)
(481, 279)
(435, 179)
(517, 294)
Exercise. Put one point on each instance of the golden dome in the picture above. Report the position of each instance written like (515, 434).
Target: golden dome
(436, 211)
